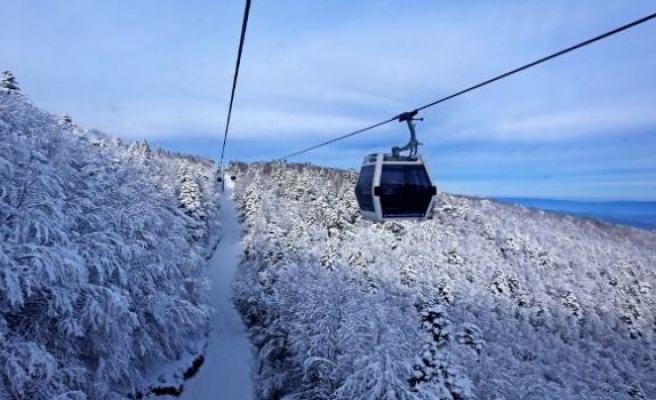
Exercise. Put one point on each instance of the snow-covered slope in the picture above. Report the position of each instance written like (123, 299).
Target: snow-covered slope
(102, 256)
(227, 369)
(486, 301)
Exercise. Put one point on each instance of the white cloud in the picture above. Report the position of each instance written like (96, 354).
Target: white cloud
(569, 124)
(141, 120)
(257, 123)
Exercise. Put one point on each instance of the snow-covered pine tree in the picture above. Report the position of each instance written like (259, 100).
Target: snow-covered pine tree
(9, 83)
(433, 366)
(189, 197)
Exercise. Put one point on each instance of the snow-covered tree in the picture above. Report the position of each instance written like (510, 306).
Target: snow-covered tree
(8, 82)
(98, 280)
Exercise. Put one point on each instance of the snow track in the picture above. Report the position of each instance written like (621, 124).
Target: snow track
(226, 372)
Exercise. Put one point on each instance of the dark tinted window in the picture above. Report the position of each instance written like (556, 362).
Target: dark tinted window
(406, 191)
(364, 187)
(405, 175)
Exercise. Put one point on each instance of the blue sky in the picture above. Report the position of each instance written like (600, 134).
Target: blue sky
(580, 127)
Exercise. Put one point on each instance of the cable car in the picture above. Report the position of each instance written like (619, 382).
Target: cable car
(394, 186)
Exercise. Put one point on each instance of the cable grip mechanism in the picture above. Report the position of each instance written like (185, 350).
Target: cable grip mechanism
(413, 144)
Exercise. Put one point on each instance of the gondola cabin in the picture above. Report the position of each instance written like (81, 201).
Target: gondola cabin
(394, 187)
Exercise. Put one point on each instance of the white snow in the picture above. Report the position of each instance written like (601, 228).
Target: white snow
(102, 257)
(226, 373)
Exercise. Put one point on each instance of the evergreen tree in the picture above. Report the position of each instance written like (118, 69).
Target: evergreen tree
(8, 82)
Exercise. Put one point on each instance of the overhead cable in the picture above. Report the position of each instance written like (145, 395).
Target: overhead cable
(234, 84)
(487, 82)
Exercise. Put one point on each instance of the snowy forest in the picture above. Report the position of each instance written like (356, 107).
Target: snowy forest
(102, 256)
(103, 278)
(484, 301)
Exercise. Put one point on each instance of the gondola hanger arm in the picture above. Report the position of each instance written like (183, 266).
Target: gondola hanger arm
(413, 144)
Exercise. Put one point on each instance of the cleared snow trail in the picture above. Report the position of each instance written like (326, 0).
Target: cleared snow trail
(226, 372)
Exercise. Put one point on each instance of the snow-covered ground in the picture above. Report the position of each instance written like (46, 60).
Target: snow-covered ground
(226, 372)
